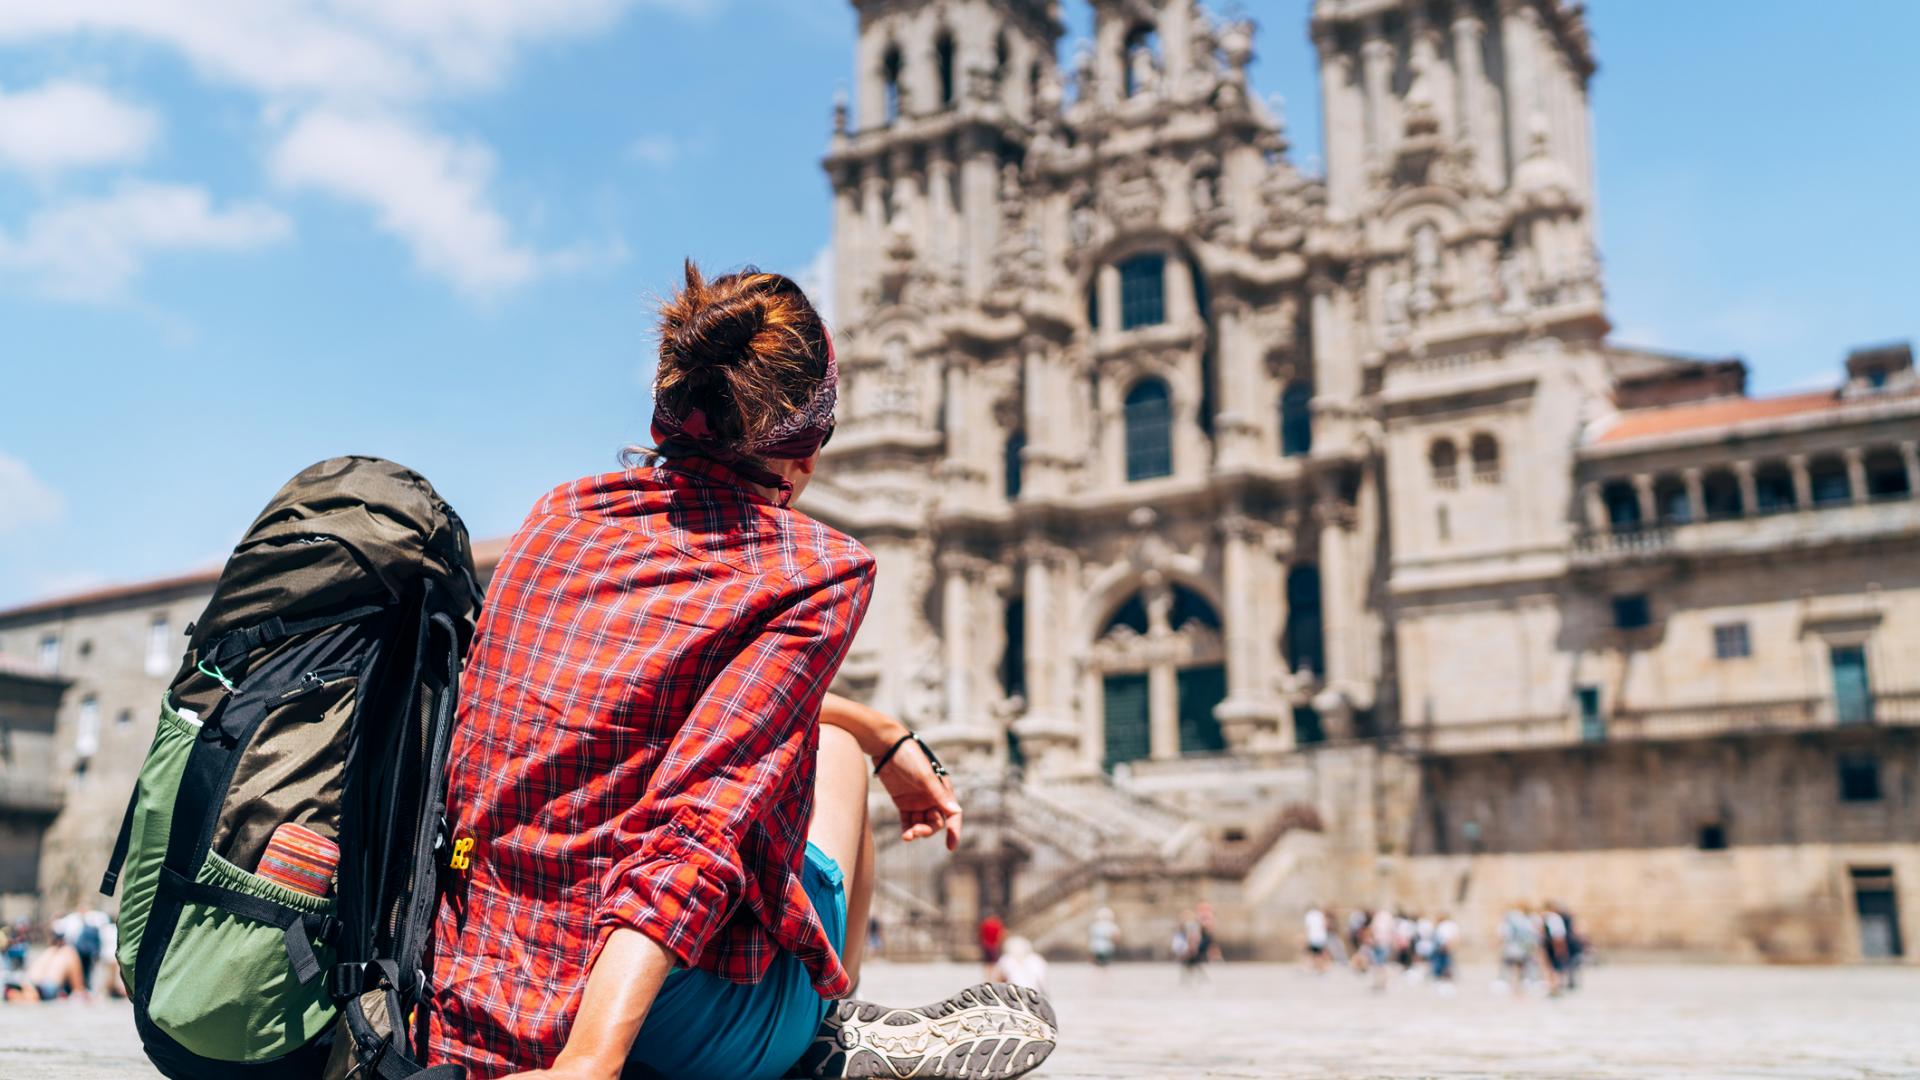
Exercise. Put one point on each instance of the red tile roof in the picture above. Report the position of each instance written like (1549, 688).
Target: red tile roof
(485, 554)
(1717, 413)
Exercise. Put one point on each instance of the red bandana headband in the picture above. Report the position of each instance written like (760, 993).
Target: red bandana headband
(800, 434)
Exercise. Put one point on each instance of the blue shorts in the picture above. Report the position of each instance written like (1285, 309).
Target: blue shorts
(703, 1025)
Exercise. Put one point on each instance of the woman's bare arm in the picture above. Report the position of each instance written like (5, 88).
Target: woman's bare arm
(620, 990)
(874, 730)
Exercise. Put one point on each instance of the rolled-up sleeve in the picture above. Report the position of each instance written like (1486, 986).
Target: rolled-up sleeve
(683, 875)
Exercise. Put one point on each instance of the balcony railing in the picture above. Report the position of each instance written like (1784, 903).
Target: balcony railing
(1886, 708)
(1607, 546)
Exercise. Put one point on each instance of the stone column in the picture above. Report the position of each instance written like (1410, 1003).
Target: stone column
(1643, 492)
(1696, 494)
(1336, 525)
(941, 213)
(1235, 426)
(1376, 61)
(1596, 507)
(1802, 482)
(1163, 688)
(1749, 491)
(1519, 38)
(956, 630)
(1856, 474)
(1478, 126)
(1345, 113)
(1249, 717)
(1108, 284)
(1910, 457)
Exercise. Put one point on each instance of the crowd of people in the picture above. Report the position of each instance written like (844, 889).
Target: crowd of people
(70, 958)
(1539, 948)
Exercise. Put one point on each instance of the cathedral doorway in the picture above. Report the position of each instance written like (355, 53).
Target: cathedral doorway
(1162, 673)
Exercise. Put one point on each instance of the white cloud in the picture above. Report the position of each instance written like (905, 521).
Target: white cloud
(353, 77)
(24, 499)
(63, 124)
(90, 248)
(816, 278)
(428, 189)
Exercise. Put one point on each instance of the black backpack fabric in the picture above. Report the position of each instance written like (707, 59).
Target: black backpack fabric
(317, 688)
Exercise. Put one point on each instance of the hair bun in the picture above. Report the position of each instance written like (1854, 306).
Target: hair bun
(745, 348)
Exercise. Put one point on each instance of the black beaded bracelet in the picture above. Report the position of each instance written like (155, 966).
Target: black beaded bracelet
(932, 758)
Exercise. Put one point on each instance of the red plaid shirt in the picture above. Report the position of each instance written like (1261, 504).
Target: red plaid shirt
(638, 723)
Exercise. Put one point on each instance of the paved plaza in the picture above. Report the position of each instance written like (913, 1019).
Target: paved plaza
(1259, 1020)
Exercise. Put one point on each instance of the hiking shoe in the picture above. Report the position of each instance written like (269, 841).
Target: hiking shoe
(992, 1030)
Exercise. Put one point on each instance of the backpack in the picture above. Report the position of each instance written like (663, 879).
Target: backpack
(317, 688)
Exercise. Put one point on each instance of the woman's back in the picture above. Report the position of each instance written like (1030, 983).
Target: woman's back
(638, 637)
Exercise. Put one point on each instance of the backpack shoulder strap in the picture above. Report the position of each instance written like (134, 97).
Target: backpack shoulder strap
(111, 879)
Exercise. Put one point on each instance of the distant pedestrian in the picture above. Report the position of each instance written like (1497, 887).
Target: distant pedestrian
(876, 942)
(1021, 965)
(56, 972)
(1317, 940)
(993, 934)
(1518, 941)
(1445, 933)
(1103, 937)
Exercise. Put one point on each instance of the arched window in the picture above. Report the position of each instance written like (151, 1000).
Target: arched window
(1132, 614)
(890, 78)
(943, 56)
(1013, 657)
(1149, 421)
(1773, 487)
(1306, 643)
(1016, 443)
(1142, 59)
(1623, 506)
(1191, 607)
(1670, 500)
(1830, 483)
(1445, 461)
(1143, 291)
(1296, 419)
(1886, 475)
(1485, 450)
(1720, 490)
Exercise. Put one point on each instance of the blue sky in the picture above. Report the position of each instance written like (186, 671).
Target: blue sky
(236, 238)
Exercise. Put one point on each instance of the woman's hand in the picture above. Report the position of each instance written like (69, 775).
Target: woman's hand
(924, 798)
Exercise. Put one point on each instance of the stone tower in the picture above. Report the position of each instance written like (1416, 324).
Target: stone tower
(1460, 205)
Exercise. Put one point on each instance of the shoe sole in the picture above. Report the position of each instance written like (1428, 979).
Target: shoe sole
(985, 1032)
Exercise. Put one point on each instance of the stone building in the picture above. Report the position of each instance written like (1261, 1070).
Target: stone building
(1259, 538)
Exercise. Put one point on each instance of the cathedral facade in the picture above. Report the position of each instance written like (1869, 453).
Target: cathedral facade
(1254, 537)
(1263, 539)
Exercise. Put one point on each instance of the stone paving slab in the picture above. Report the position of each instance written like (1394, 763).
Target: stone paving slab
(1272, 1021)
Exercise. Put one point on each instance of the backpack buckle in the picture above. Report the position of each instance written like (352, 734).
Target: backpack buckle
(347, 980)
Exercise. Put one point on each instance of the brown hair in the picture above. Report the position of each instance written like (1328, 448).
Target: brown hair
(746, 349)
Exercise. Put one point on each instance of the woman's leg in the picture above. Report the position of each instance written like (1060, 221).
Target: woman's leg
(841, 829)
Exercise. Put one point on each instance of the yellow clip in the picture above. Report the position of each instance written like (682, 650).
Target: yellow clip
(461, 847)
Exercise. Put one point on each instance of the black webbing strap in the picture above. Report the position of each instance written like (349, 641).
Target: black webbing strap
(273, 628)
(111, 879)
(299, 927)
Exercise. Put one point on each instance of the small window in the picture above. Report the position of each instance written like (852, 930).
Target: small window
(123, 718)
(890, 77)
(1486, 458)
(1886, 475)
(1296, 420)
(1632, 612)
(1445, 462)
(943, 56)
(1859, 777)
(50, 653)
(158, 642)
(1149, 422)
(1730, 642)
(1593, 725)
(1016, 445)
(1773, 488)
(86, 733)
(1013, 655)
(1720, 490)
(1143, 291)
(1713, 837)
